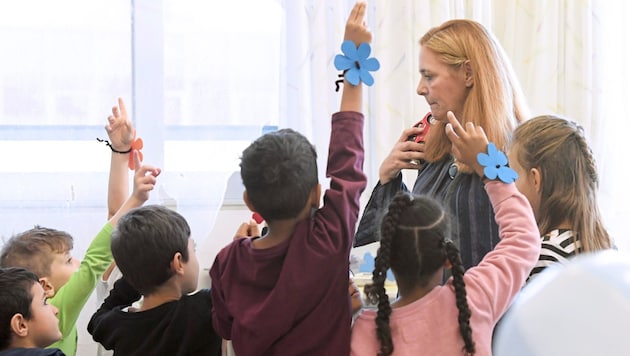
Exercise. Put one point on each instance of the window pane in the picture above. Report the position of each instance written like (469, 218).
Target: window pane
(222, 62)
(60, 66)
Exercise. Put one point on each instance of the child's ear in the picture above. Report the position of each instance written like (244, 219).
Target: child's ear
(49, 289)
(316, 194)
(19, 326)
(249, 204)
(448, 264)
(177, 264)
(536, 178)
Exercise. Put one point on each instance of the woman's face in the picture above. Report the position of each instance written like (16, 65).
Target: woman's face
(443, 87)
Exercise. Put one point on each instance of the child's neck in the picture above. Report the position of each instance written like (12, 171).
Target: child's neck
(278, 232)
(166, 293)
(409, 294)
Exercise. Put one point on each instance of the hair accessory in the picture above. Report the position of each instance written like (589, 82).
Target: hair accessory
(495, 164)
(355, 64)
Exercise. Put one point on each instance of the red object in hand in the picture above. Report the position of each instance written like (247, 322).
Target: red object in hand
(258, 218)
(422, 123)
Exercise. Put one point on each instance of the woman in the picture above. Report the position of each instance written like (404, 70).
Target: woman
(464, 70)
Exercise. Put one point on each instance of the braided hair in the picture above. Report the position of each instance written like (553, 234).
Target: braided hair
(558, 148)
(414, 246)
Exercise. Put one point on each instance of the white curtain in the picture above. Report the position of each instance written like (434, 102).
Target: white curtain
(561, 50)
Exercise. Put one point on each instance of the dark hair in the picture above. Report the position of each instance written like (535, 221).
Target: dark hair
(15, 297)
(558, 148)
(33, 249)
(414, 244)
(279, 170)
(144, 243)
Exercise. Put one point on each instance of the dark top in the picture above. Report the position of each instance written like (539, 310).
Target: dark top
(182, 327)
(32, 352)
(292, 299)
(474, 229)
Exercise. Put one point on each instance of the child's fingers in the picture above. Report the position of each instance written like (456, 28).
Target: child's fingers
(136, 161)
(360, 13)
(450, 132)
(121, 105)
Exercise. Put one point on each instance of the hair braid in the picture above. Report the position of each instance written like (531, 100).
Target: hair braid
(375, 292)
(452, 253)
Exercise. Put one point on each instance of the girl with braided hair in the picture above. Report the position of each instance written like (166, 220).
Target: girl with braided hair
(557, 174)
(456, 318)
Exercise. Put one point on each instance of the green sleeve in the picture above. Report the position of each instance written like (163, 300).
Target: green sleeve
(71, 298)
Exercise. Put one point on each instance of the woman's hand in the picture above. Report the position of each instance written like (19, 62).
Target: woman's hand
(406, 154)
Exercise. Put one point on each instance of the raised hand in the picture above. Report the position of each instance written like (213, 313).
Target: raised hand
(356, 27)
(144, 179)
(467, 142)
(120, 128)
(247, 229)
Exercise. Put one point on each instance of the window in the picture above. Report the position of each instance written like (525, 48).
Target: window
(200, 78)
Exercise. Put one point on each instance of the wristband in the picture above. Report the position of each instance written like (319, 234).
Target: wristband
(136, 144)
(495, 165)
(355, 64)
(107, 143)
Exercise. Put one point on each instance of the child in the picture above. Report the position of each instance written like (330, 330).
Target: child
(558, 176)
(27, 322)
(433, 319)
(153, 250)
(67, 282)
(286, 293)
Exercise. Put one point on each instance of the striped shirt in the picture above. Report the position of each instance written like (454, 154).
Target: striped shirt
(557, 246)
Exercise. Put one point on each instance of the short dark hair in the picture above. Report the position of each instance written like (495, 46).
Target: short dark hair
(33, 249)
(15, 297)
(279, 171)
(144, 243)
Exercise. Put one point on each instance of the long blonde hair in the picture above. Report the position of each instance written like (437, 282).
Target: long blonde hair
(495, 101)
(558, 148)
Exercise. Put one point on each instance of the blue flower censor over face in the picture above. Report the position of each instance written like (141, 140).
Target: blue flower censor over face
(356, 63)
(495, 164)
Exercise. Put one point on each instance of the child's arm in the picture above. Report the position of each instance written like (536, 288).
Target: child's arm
(346, 150)
(122, 295)
(121, 134)
(71, 298)
(501, 274)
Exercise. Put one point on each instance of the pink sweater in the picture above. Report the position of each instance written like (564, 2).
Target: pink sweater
(429, 325)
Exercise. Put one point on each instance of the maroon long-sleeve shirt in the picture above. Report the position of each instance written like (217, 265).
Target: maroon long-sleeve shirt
(292, 298)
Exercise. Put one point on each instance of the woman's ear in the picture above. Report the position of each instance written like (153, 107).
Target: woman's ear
(468, 74)
(49, 289)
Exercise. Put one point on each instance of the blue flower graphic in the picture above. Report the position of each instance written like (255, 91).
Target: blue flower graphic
(495, 164)
(356, 62)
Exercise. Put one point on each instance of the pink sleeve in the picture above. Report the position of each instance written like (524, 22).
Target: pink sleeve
(503, 271)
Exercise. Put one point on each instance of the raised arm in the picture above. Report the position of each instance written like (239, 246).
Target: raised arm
(121, 134)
